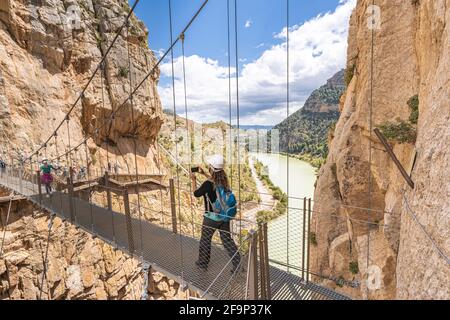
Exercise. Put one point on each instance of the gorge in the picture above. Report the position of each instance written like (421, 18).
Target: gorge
(368, 225)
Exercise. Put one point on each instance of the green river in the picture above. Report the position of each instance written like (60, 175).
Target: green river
(286, 231)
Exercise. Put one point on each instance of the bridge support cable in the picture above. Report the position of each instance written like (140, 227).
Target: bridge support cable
(175, 133)
(90, 191)
(158, 154)
(134, 133)
(45, 257)
(413, 215)
(231, 142)
(238, 117)
(6, 223)
(102, 73)
(188, 135)
(288, 103)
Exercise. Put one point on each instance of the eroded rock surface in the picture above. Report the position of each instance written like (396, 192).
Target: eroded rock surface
(411, 56)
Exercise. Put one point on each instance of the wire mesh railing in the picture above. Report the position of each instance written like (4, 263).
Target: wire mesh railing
(239, 266)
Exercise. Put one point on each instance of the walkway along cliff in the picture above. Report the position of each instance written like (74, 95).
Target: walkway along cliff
(400, 83)
(368, 225)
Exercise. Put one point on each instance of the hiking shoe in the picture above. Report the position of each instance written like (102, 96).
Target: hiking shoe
(235, 269)
(200, 266)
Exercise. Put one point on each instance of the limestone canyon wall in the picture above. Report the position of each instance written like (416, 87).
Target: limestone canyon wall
(411, 56)
(48, 51)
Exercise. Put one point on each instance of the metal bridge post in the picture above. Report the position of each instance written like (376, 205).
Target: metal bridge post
(252, 270)
(70, 195)
(38, 176)
(173, 206)
(303, 242)
(31, 170)
(266, 261)
(309, 239)
(20, 179)
(262, 262)
(108, 191)
(126, 203)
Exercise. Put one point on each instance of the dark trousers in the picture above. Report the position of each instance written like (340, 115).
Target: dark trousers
(48, 188)
(209, 227)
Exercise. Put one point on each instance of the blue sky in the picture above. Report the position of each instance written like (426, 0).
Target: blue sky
(318, 47)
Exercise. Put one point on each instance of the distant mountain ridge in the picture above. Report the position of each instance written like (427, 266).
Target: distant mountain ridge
(254, 127)
(305, 132)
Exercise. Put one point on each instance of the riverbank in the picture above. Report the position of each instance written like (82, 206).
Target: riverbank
(300, 175)
(278, 199)
(266, 200)
(316, 162)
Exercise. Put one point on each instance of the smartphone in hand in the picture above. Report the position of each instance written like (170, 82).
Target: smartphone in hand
(195, 169)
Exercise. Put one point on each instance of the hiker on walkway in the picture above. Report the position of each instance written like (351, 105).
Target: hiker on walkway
(47, 177)
(65, 172)
(82, 173)
(116, 168)
(2, 166)
(220, 209)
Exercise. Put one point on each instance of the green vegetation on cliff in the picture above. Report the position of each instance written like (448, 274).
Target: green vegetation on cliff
(305, 133)
(402, 131)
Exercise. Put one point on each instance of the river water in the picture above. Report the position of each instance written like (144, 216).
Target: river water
(285, 233)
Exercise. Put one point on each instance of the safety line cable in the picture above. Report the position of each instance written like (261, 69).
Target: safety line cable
(188, 135)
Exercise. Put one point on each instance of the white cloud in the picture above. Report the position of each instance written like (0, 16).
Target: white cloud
(317, 50)
(159, 53)
(248, 23)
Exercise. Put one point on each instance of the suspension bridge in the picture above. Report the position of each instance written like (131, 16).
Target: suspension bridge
(172, 247)
(171, 253)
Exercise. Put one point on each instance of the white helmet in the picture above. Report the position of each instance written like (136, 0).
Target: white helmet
(45, 160)
(216, 162)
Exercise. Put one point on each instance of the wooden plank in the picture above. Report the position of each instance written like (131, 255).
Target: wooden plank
(134, 183)
(8, 199)
(394, 158)
(87, 186)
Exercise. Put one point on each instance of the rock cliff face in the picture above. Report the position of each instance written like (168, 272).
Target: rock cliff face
(48, 51)
(411, 57)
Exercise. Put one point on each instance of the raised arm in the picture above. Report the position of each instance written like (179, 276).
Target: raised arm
(202, 190)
